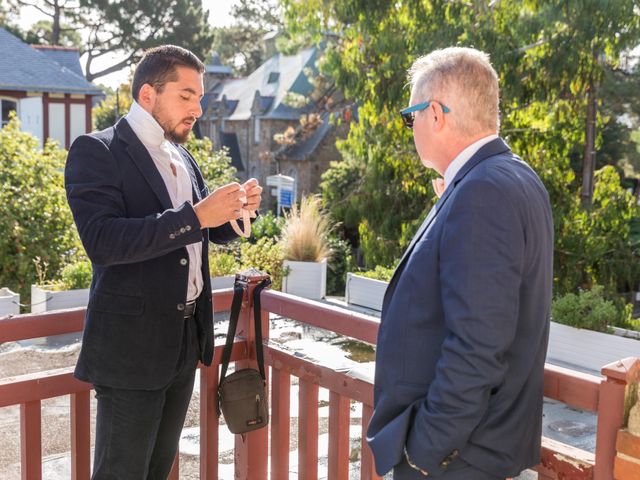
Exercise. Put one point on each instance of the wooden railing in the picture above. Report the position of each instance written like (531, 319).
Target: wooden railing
(603, 395)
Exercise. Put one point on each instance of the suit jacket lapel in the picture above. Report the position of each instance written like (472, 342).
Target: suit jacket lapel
(495, 147)
(423, 228)
(140, 156)
(195, 191)
(428, 221)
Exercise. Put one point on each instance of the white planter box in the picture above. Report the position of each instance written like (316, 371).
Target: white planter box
(306, 279)
(226, 281)
(9, 302)
(43, 300)
(365, 292)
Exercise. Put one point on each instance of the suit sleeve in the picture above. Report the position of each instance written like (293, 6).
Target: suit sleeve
(94, 192)
(481, 264)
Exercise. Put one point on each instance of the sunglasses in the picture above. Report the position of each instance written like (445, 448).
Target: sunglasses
(409, 113)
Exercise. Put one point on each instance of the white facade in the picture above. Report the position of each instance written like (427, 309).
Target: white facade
(77, 121)
(57, 130)
(30, 115)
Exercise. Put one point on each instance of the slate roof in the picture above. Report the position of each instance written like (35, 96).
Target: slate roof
(24, 68)
(302, 150)
(67, 57)
(240, 93)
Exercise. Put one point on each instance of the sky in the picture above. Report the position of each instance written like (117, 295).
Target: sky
(219, 16)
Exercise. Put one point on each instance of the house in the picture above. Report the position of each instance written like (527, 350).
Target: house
(245, 114)
(47, 89)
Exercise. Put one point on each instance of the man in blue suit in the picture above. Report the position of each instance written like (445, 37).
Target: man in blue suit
(465, 319)
(145, 217)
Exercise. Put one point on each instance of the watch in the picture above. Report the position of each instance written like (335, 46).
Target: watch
(413, 465)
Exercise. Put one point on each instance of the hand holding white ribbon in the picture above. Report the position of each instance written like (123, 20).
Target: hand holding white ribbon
(246, 221)
(250, 203)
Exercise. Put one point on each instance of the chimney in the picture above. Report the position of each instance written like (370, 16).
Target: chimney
(269, 40)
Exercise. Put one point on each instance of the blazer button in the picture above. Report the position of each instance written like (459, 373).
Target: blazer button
(172, 236)
(183, 261)
(188, 228)
(181, 307)
(182, 230)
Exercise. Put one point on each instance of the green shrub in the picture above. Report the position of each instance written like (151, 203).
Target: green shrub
(379, 273)
(266, 225)
(590, 309)
(339, 264)
(222, 263)
(35, 220)
(266, 255)
(76, 275)
(104, 114)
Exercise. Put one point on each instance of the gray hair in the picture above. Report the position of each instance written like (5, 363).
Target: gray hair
(463, 80)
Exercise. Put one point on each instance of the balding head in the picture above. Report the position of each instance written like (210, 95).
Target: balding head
(463, 80)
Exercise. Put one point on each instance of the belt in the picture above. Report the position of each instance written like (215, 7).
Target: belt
(190, 309)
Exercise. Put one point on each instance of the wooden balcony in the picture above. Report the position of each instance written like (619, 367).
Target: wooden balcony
(264, 454)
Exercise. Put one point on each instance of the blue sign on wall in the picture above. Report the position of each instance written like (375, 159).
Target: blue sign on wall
(286, 198)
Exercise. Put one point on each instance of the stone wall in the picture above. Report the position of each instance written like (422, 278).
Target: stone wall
(306, 172)
(627, 462)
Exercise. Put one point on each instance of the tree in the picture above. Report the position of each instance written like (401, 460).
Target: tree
(42, 33)
(125, 28)
(7, 21)
(58, 11)
(34, 216)
(106, 113)
(136, 25)
(241, 44)
(544, 55)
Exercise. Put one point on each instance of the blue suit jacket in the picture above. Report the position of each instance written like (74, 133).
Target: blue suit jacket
(137, 242)
(464, 328)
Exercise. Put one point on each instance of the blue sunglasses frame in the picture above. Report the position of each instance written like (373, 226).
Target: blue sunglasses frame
(408, 114)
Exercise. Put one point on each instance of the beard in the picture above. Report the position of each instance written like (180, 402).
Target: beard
(172, 133)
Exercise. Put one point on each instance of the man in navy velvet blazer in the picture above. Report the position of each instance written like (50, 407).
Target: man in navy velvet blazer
(465, 319)
(145, 217)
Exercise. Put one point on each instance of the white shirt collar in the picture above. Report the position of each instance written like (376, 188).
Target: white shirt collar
(146, 128)
(463, 157)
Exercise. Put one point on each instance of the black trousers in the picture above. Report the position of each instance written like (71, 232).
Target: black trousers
(138, 431)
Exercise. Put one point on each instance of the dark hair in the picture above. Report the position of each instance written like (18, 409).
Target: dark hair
(158, 66)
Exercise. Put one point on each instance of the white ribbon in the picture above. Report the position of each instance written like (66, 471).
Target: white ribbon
(246, 222)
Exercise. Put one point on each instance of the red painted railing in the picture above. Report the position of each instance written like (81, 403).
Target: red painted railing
(603, 395)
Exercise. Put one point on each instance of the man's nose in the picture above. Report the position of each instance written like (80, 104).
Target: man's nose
(196, 109)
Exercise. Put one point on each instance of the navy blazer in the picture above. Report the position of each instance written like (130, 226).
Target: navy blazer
(465, 324)
(136, 242)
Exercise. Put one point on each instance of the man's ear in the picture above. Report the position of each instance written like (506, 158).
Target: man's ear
(146, 95)
(435, 109)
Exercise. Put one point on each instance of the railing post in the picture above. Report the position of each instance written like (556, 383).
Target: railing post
(338, 437)
(280, 423)
(627, 461)
(251, 453)
(307, 430)
(80, 435)
(367, 467)
(31, 440)
(174, 474)
(611, 412)
(209, 423)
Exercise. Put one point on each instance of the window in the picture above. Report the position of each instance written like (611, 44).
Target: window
(7, 107)
(273, 77)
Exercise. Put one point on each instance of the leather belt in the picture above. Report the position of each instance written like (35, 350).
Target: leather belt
(190, 309)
